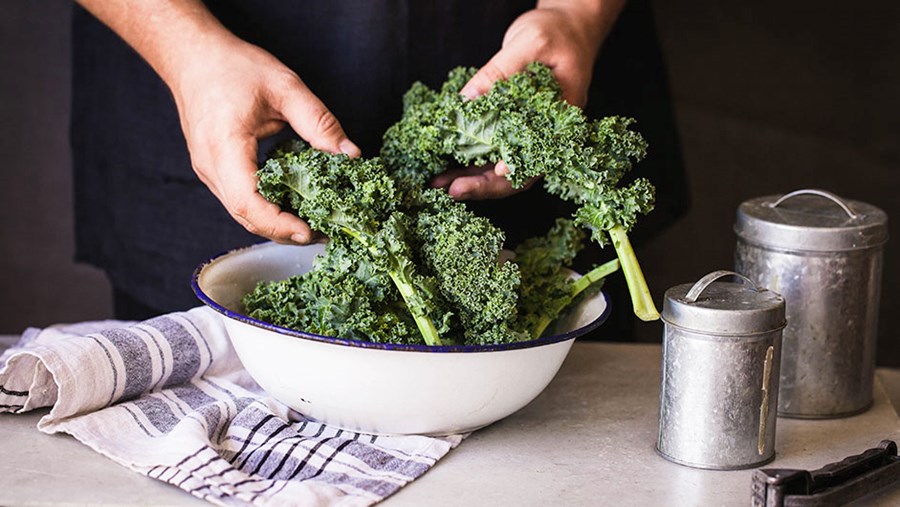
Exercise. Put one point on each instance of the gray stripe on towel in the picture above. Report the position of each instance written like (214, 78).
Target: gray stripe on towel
(112, 366)
(185, 351)
(136, 358)
(157, 412)
(202, 404)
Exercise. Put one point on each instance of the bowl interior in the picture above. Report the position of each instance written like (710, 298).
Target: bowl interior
(222, 282)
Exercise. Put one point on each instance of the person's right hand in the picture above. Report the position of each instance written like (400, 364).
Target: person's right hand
(229, 96)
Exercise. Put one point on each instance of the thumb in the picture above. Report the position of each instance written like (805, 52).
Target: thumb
(314, 122)
(482, 81)
(503, 65)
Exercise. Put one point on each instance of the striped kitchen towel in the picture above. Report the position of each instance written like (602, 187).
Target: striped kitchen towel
(168, 398)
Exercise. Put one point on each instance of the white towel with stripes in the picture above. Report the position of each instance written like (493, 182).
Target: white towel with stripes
(168, 398)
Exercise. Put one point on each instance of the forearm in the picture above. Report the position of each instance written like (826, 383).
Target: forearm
(164, 32)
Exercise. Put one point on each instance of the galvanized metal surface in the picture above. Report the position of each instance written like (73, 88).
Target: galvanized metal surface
(719, 384)
(715, 398)
(719, 308)
(824, 255)
(828, 360)
(811, 221)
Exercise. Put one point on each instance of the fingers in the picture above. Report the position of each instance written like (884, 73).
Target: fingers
(479, 188)
(482, 81)
(237, 99)
(315, 123)
(309, 117)
(475, 183)
(549, 36)
(444, 179)
(235, 174)
(234, 184)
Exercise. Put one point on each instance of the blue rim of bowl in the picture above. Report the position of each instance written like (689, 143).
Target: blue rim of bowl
(240, 317)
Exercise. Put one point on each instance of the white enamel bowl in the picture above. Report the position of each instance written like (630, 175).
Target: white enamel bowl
(379, 388)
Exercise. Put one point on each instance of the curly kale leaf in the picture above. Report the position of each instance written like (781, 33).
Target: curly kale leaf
(340, 296)
(353, 200)
(463, 253)
(334, 193)
(524, 122)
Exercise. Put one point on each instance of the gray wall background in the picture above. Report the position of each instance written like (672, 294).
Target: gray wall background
(40, 284)
(770, 97)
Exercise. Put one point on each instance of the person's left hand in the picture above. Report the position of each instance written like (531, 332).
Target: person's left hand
(566, 37)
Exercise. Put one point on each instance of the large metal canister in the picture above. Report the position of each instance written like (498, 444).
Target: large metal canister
(721, 350)
(824, 255)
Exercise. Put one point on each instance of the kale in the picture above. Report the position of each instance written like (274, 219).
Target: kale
(524, 122)
(352, 201)
(463, 252)
(547, 289)
(407, 264)
(340, 296)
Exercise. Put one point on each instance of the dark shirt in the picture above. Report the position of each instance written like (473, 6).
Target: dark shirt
(144, 217)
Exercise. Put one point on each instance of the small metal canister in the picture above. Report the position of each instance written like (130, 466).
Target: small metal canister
(721, 351)
(824, 255)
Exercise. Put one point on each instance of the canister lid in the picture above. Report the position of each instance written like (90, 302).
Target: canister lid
(810, 220)
(723, 308)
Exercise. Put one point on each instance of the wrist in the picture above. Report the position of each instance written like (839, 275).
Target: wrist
(182, 42)
(591, 20)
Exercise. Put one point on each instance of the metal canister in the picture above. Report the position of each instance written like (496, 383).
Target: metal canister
(824, 255)
(721, 350)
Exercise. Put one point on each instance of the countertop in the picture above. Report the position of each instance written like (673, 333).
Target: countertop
(588, 439)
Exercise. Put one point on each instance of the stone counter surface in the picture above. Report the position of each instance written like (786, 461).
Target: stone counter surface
(588, 440)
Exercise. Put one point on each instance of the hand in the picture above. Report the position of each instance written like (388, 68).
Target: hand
(229, 97)
(565, 36)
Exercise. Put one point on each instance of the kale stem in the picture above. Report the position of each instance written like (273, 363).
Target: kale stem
(641, 300)
(424, 323)
(407, 291)
(578, 286)
(594, 275)
(540, 327)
